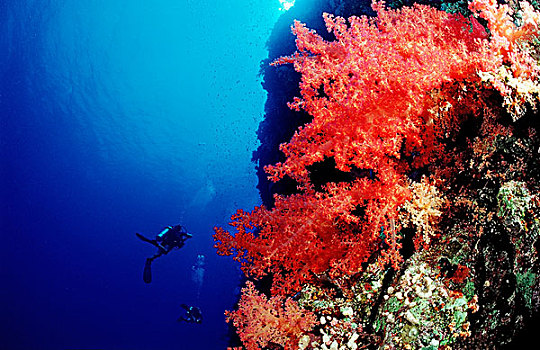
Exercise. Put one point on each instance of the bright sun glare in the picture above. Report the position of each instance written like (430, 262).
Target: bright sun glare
(286, 4)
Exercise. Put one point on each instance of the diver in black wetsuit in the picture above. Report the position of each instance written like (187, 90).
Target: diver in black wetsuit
(192, 315)
(170, 238)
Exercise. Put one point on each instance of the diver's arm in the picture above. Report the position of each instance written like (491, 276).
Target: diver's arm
(148, 240)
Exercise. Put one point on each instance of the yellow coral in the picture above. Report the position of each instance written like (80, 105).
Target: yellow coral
(423, 210)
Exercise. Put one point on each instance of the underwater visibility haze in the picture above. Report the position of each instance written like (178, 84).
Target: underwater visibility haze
(120, 117)
(402, 214)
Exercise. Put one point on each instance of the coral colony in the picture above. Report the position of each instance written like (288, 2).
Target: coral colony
(429, 121)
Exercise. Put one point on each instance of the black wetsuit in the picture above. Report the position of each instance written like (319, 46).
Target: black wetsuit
(193, 314)
(169, 238)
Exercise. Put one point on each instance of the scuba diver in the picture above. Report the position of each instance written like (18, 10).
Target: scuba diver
(170, 238)
(192, 314)
(197, 273)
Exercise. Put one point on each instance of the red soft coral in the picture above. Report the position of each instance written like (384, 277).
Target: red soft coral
(313, 232)
(368, 92)
(376, 77)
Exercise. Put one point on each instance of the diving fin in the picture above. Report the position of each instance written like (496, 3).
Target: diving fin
(147, 274)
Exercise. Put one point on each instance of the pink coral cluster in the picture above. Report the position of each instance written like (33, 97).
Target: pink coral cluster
(263, 320)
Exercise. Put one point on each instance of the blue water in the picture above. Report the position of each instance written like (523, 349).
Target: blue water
(120, 117)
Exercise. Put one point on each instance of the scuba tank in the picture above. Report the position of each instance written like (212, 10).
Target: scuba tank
(159, 237)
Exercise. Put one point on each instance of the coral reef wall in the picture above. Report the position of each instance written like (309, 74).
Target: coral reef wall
(399, 170)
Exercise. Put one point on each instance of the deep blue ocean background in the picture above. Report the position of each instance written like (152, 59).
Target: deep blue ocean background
(119, 117)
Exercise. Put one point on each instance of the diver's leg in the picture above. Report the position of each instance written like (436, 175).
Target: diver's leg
(185, 317)
(147, 273)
